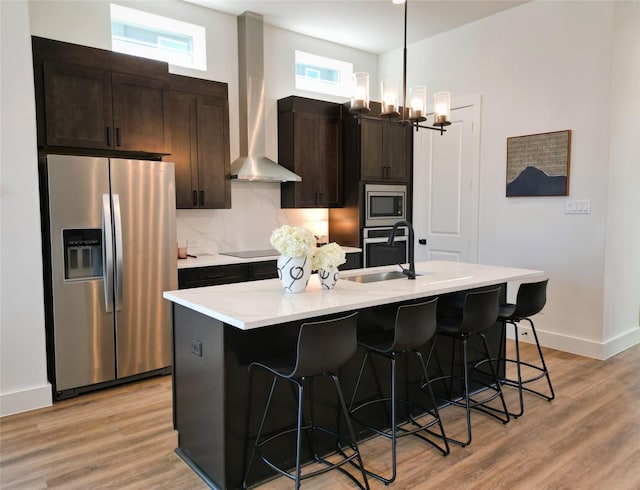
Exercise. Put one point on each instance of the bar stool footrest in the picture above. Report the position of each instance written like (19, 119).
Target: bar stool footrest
(479, 405)
(346, 458)
(514, 382)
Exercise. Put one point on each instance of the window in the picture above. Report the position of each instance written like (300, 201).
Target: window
(324, 75)
(159, 38)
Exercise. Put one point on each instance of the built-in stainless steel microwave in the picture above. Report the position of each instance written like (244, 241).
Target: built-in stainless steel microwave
(384, 204)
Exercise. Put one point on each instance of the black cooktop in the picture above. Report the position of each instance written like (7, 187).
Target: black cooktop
(250, 254)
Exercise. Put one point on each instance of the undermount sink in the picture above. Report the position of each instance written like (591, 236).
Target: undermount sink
(377, 276)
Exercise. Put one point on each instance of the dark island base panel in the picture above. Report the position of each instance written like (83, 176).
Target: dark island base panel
(217, 411)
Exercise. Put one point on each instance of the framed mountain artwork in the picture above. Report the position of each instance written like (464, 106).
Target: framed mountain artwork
(538, 164)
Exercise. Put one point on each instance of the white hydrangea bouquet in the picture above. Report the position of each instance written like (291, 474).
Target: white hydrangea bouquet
(293, 241)
(327, 257)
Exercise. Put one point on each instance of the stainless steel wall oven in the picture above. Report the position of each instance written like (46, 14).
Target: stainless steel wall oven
(375, 250)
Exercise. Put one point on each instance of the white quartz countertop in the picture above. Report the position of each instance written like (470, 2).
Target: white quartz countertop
(207, 260)
(255, 304)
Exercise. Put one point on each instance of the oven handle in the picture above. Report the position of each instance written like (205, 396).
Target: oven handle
(384, 240)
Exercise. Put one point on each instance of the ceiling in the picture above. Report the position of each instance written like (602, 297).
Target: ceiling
(374, 26)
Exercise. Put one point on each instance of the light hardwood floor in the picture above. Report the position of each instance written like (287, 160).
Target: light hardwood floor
(587, 438)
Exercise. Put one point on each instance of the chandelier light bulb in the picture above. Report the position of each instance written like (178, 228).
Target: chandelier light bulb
(417, 106)
(389, 98)
(442, 108)
(360, 92)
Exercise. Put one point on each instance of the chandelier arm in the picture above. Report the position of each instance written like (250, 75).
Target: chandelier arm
(416, 125)
(441, 129)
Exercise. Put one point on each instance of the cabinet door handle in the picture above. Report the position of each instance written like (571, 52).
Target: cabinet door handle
(201, 199)
(320, 198)
(117, 136)
(195, 199)
(108, 135)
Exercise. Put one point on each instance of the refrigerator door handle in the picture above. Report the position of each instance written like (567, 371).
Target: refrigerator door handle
(107, 253)
(117, 225)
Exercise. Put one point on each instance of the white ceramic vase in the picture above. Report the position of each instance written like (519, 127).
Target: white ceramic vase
(294, 273)
(328, 277)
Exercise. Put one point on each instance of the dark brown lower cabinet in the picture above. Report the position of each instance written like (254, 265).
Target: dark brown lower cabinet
(197, 277)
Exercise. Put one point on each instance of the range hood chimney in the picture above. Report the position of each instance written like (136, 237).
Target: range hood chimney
(253, 165)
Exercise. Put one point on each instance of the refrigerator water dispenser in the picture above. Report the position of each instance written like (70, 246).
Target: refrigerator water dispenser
(82, 253)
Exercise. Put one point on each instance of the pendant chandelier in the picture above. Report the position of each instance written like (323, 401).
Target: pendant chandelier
(415, 113)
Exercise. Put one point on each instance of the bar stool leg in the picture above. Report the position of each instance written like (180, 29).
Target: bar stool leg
(256, 444)
(496, 379)
(467, 403)
(544, 365)
(519, 383)
(432, 399)
(391, 417)
(355, 390)
(519, 370)
(394, 428)
(352, 435)
(503, 357)
(299, 434)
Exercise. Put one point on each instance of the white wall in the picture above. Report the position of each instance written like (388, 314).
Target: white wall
(23, 372)
(541, 67)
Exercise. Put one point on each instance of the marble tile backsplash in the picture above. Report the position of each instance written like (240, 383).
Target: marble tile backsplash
(255, 212)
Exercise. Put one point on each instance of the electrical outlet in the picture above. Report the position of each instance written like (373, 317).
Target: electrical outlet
(577, 207)
(196, 347)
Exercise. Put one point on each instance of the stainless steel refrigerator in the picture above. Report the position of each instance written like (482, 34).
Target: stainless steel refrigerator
(111, 253)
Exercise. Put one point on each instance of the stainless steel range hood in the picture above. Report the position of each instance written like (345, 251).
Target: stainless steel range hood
(253, 165)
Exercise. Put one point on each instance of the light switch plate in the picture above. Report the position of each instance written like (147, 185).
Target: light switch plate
(577, 207)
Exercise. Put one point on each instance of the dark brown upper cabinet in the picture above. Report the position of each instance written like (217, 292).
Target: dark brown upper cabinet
(199, 119)
(385, 151)
(310, 145)
(93, 99)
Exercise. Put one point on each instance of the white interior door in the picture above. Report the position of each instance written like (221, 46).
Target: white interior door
(446, 187)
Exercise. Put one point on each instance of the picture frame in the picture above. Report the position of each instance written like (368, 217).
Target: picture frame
(538, 164)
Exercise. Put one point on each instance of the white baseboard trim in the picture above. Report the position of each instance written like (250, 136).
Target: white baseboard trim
(25, 400)
(581, 347)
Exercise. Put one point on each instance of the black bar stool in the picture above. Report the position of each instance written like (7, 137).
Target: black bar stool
(322, 347)
(414, 326)
(530, 300)
(479, 312)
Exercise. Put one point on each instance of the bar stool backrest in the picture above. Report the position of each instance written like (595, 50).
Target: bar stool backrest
(325, 345)
(415, 325)
(532, 297)
(480, 310)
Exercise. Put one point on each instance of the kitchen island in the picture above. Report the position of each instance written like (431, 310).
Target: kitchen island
(219, 330)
